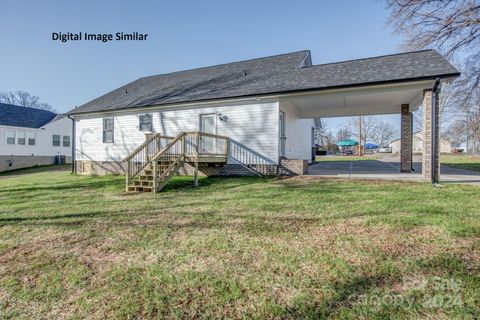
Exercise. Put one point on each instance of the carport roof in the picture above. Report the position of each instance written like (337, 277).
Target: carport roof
(286, 73)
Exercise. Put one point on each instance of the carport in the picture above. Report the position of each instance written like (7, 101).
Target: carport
(386, 167)
(396, 84)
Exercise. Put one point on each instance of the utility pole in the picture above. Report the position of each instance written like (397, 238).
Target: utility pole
(360, 135)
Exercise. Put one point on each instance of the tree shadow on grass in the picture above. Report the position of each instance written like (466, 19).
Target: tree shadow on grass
(84, 184)
(36, 169)
(56, 217)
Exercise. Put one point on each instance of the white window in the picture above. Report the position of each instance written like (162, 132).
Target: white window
(56, 140)
(31, 138)
(21, 137)
(145, 122)
(108, 130)
(66, 141)
(10, 136)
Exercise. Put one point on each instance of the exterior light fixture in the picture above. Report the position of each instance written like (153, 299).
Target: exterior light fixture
(222, 117)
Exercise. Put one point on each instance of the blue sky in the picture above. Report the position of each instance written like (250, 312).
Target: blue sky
(182, 35)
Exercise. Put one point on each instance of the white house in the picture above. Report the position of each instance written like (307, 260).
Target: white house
(31, 137)
(417, 144)
(254, 116)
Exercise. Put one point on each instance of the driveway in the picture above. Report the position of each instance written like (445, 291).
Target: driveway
(388, 168)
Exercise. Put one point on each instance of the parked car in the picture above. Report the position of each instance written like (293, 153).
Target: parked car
(385, 150)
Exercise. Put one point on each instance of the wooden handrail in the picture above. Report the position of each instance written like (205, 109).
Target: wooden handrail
(140, 147)
(168, 146)
(207, 134)
(146, 142)
(168, 137)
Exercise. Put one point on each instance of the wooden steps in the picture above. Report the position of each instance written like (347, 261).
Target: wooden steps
(168, 174)
(139, 189)
(144, 182)
(150, 166)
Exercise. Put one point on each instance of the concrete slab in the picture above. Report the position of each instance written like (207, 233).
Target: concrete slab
(388, 168)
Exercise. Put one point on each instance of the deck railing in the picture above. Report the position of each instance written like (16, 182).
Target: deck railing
(173, 149)
(140, 157)
(205, 144)
(164, 153)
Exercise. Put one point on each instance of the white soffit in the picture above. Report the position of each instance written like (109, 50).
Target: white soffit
(368, 100)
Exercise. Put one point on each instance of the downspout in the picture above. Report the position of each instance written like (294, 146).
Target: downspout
(434, 156)
(411, 141)
(74, 166)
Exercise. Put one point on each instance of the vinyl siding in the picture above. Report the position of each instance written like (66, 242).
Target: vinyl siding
(298, 132)
(253, 129)
(43, 141)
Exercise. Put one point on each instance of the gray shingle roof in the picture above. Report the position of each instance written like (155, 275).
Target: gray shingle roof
(276, 74)
(17, 116)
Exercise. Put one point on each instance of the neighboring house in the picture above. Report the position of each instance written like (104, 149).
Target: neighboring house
(31, 137)
(417, 144)
(256, 115)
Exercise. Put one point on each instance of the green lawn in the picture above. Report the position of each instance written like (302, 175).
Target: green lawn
(76, 247)
(461, 161)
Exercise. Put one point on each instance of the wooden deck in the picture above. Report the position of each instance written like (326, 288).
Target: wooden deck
(152, 164)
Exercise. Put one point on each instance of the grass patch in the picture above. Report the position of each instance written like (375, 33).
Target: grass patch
(461, 161)
(79, 247)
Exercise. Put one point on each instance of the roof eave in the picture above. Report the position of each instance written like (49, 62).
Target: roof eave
(345, 86)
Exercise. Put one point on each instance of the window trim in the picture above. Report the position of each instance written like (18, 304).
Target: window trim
(31, 136)
(63, 141)
(59, 140)
(10, 137)
(19, 133)
(110, 130)
(140, 123)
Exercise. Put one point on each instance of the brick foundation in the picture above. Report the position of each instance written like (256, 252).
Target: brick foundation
(291, 167)
(286, 168)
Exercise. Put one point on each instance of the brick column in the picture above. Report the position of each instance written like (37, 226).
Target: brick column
(430, 160)
(406, 140)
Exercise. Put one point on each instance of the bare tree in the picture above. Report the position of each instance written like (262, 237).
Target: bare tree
(320, 131)
(368, 128)
(472, 124)
(383, 133)
(450, 26)
(455, 133)
(24, 99)
(453, 28)
(343, 134)
(469, 105)
(447, 106)
(329, 137)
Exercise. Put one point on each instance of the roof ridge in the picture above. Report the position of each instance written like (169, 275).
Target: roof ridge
(369, 58)
(227, 63)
